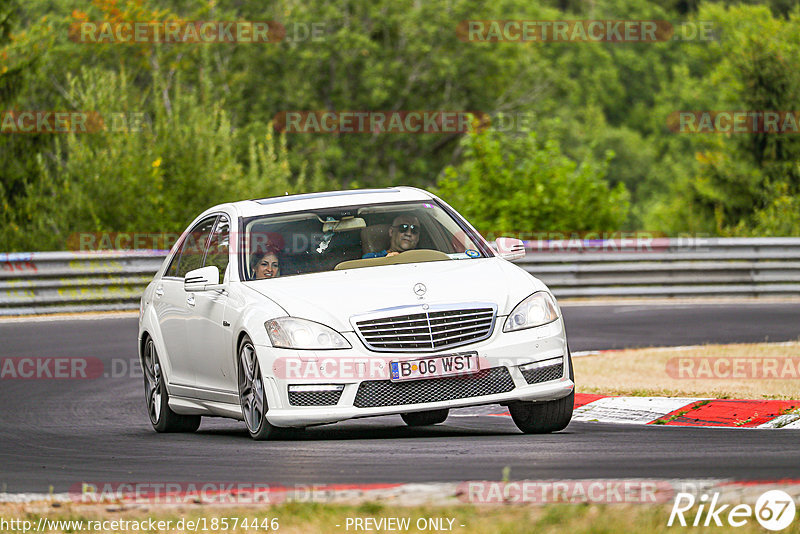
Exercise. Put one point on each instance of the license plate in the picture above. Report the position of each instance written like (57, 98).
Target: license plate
(446, 365)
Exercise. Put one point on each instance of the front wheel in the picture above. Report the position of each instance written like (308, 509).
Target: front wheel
(431, 417)
(544, 417)
(162, 417)
(253, 398)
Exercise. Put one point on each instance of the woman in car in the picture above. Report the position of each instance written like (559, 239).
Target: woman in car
(265, 265)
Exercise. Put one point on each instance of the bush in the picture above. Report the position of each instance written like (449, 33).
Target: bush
(183, 158)
(519, 184)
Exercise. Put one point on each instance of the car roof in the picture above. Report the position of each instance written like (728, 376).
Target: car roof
(329, 199)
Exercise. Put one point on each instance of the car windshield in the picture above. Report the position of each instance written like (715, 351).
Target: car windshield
(296, 243)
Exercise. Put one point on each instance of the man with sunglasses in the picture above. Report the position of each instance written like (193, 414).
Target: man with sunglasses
(403, 235)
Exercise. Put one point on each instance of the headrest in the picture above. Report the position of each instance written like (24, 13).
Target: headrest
(375, 238)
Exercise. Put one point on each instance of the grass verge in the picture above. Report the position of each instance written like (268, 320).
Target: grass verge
(318, 517)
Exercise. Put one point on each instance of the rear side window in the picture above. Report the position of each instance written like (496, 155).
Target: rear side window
(172, 270)
(192, 249)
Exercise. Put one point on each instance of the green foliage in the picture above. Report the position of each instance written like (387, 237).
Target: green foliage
(781, 215)
(603, 157)
(513, 184)
(743, 181)
(149, 177)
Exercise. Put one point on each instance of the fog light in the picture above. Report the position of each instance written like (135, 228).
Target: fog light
(307, 388)
(544, 363)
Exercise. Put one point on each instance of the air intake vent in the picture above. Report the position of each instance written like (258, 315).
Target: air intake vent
(544, 374)
(387, 393)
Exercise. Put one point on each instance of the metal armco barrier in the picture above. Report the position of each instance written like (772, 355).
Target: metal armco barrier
(49, 282)
(667, 267)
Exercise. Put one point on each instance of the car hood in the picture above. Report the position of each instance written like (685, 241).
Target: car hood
(333, 297)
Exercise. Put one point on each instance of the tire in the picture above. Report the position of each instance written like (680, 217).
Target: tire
(253, 397)
(544, 417)
(156, 396)
(432, 417)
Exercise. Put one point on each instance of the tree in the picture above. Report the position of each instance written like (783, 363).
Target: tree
(743, 178)
(521, 184)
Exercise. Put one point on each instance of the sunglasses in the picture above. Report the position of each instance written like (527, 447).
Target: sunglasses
(406, 227)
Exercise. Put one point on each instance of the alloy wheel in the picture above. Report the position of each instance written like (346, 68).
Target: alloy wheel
(153, 377)
(251, 388)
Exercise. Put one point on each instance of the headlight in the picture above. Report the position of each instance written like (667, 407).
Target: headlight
(292, 333)
(536, 310)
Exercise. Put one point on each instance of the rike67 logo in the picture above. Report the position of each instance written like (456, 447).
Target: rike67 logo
(774, 510)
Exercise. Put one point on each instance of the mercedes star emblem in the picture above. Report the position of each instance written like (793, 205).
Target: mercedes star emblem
(420, 289)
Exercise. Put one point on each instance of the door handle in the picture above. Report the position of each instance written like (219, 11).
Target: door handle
(190, 300)
(159, 292)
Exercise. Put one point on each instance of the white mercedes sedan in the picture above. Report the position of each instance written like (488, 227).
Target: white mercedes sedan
(310, 309)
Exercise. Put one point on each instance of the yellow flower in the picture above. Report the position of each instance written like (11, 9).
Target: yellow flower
(157, 163)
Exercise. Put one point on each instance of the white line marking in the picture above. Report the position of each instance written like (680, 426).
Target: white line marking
(678, 348)
(630, 410)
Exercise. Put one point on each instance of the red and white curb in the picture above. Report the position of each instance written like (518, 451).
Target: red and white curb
(682, 411)
(685, 411)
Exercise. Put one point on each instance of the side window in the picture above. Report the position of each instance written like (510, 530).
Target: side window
(172, 270)
(193, 248)
(218, 245)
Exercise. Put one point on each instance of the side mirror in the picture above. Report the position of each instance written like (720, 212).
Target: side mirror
(509, 248)
(205, 279)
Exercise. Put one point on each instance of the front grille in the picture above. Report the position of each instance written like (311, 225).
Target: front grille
(314, 398)
(434, 329)
(544, 374)
(387, 393)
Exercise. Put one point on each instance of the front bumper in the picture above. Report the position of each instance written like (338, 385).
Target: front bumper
(501, 351)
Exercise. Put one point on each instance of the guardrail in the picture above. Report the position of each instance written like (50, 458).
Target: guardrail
(674, 267)
(49, 282)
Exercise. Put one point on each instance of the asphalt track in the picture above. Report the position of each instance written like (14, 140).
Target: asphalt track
(59, 433)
